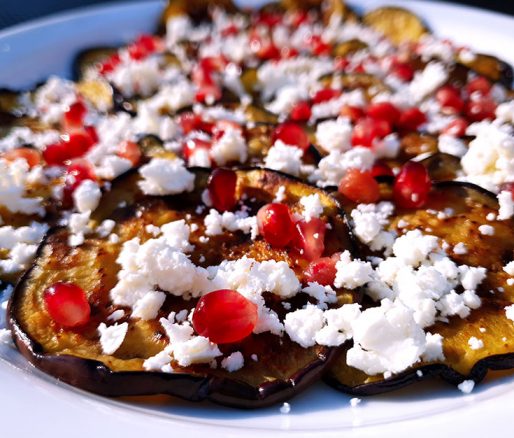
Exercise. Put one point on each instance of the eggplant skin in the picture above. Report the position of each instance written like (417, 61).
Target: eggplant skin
(89, 372)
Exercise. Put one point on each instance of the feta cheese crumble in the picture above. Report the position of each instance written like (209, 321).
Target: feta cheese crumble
(166, 177)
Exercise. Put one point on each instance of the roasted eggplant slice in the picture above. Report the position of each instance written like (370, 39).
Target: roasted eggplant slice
(470, 207)
(442, 167)
(491, 67)
(398, 24)
(74, 356)
(89, 59)
(198, 10)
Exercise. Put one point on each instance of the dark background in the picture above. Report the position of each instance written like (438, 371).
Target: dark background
(17, 11)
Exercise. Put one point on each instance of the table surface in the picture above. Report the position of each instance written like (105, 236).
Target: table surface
(16, 11)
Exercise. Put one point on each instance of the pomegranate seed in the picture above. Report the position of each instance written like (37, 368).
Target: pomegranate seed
(456, 127)
(354, 113)
(56, 154)
(76, 173)
(221, 126)
(299, 17)
(478, 85)
(91, 131)
(325, 95)
(74, 116)
(412, 185)
(110, 64)
(225, 316)
(411, 119)
(403, 71)
(322, 271)
(194, 144)
(222, 189)
(268, 52)
(449, 99)
(147, 42)
(231, 29)
(384, 111)
(319, 47)
(208, 94)
(269, 19)
(78, 143)
(366, 130)
(189, 122)
(341, 64)
(31, 156)
(67, 304)
(275, 224)
(381, 169)
(301, 112)
(137, 52)
(130, 151)
(310, 238)
(288, 52)
(360, 187)
(481, 109)
(291, 134)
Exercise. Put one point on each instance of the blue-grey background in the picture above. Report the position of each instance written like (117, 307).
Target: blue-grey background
(17, 11)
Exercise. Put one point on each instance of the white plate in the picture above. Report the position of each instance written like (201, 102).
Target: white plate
(31, 402)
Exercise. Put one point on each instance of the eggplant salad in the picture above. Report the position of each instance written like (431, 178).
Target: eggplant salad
(251, 201)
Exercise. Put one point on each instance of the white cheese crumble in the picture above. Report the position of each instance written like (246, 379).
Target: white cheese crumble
(87, 196)
(284, 158)
(506, 210)
(486, 230)
(13, 182)
(112, 337)
(466, 386)
(509, 312)
(475, 343)
(215, 223)
(285, 408)
(334, 135)
(509, 268)
(460, 248)
(312, 207)
(354, 402)
(166, 177)
(5, 337)
(233, 362)
(231, 147)
(427, 81)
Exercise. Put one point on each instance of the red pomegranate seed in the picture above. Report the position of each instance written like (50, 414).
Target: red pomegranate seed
(381, 169)
(67, 304)
(456, 127)
(56, 154)
(275, 224)
(366, 130)
(412, 186)
(384, 111)
(225, 316)
(147, 42)
(78, 143)
(130, 151)
(299, 17)
(403, 71)
(354, 113)
(478, 85)
(325, 95)
(137, 52)
(189, 122)
(230, 30)
(310, 238)
(91, 131)
(268, 52)
(110, 64)
(360, 187)
(269, 19)
(194, 144)
(318, 46)
(449, 99)
(291, 134)
(208, 93)
(411, 119)
(74, 116)
(341, 64)
(481, 109)
(77, 172)
(222, 189)
(301, 112)
(288, 52)
(322, 271)
(30, 155)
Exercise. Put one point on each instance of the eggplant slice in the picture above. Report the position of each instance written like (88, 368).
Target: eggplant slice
(471, 204)
(75, 357)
